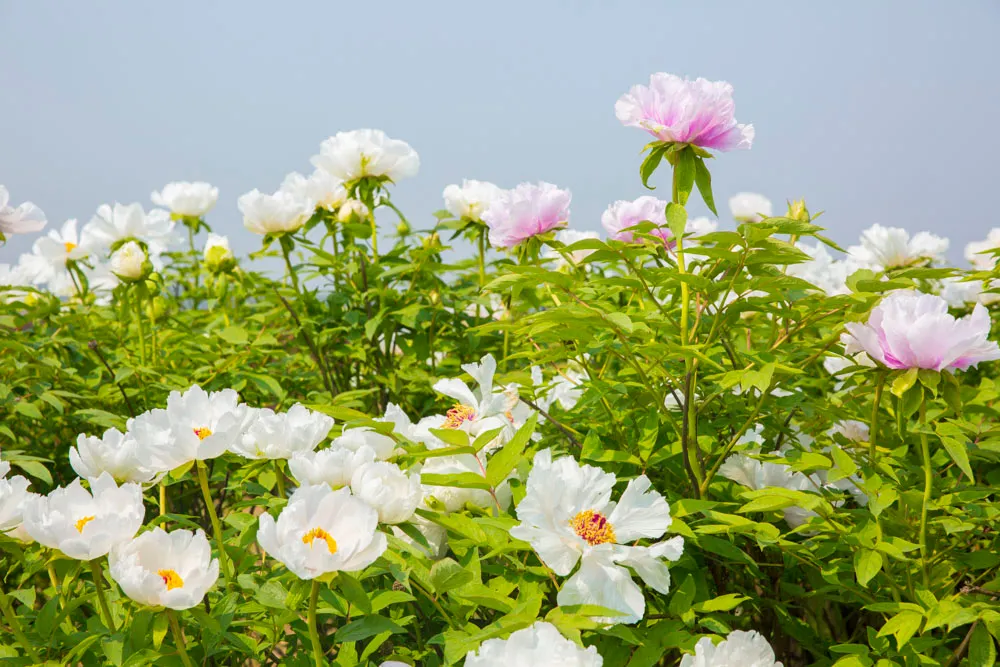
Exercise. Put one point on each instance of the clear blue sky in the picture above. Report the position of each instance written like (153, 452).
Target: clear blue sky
(874, 111)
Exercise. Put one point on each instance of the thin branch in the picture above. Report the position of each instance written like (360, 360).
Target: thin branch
(93, 346)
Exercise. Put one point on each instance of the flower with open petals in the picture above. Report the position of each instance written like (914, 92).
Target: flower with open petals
(163, 569)
(320, 189)
(885, 248)
(115, 453)
(321, 531)
(673, 109)
(822, 270)
(362, 436)
(746, 649)
(14, 496)
(528, 210)
(914, 330)
(568, 517)
(279, 435)
(86, 524)
(394, 494)
(58, 247)
(978, 252)
(477, 413)
(622, 215)
(274, 214)
(333, 466)
(192, 200)
(539, 644)
(750, 207)
(471, 199)
(114, 225)
(21, 220)
(349, 156)
(755, 475)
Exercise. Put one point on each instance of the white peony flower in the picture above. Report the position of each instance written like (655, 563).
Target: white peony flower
(750, 207)
(129, 262)
(960, 293)
(745, 649)
(471, 199)
(568, 517)
(569, 237)
(696, 227)
(394, 494)
(86, 524)
(823, 270)
(321, 531)
(853, 430)
(349, 156)
(274, 214)
(885, 248)
(352, 209)
(320, 189)
(454, 498)
(279, 435)
(14, 496)
(113, 225)
(162, 569)
(187, 199)
(486, 411)
(541, 644)
(114, 453)
(333, 466)
(978, 252)
(57, 248)
(21, 220)
(363, 436)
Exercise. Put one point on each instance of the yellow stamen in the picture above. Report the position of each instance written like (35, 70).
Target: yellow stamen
(458, 415)
(202, 432)
(83, 522)
(171, 579)
(593, 527)
(320, 534)
(69, 246)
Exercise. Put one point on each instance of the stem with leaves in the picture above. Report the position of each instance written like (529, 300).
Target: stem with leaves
(175, 628)
(98, 574)
(873, 425)
(213, 515)
(15, 626)
(925, 456)
(317, 648)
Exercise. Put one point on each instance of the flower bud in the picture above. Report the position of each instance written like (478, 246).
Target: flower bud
(432, 242)
(403, 228)
(130, 263)
(352, 210)
(797, 210)
(218, 255)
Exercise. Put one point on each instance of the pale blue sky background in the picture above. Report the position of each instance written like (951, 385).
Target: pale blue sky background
(874, 111)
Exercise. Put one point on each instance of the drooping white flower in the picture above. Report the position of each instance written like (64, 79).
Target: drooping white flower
(349, 156)
(885, 248)
(320, 189)
(187, 199)
(114, 453)
(540, 644)
(321, 531)
(161, 569)
(113, 225)
(978, 252)
(569, 237)
(486, 411)
(21, 220)
(14, 496)
(333, 466)
(274, 214)
(471, 199)
(86, 524)
(129, 262)
(739, 648)
(750, 207)
(394, 494)
(568, 517)
(279, 435)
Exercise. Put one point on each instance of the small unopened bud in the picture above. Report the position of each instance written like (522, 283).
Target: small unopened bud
(403, 228)
(218, 255)
(797, 210)
(432, 242)
(130, 263)
(352, 210)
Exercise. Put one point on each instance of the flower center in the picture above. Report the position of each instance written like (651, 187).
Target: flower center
(83, 522)
(593, 527)
(458, 415)
(202, 432)
(69, 246)
(320, 534)
(171, 579)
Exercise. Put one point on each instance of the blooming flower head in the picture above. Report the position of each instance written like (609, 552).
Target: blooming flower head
(750, 207)
(746, 649)
(21, 220)
(528, 210)
(622, 215)
(129, 262)
(978, 252)
(279, 435)
(539, 644)
(321, 531)
(362, 436)
(700, 226)
(192, 200)
(86, 524)
(486, 411)
(853, 430)
(568, 517)
(14, 496)
(163, 569)
(320, 189)
(58, 247)
(914, 330)
(218, 255)
(114, 453)
(333, 466)
(273, 214)
(822, 270)
(753, 474)
(114, 225)
(673, 109)
(568, 237)
(471, 199)
(885, 248)
(394, 494)
(349, 156)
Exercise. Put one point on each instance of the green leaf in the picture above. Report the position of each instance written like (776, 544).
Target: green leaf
(703, 179)
(505, 460)
(683, 596)
(957, 451)
(982, 650)
(684, 174)
(721, 603)
(29, 410)
(902, 626)
(36, 470)
(676, 219)
(446, 575)
(355, 593)
(903, 382)
(452, 436)
(867, 564)
(236, 335)
(369, 626)
(650, 164)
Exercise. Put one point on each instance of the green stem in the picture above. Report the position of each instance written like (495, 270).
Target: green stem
(873, 425)
(175, 627)
(482, 257)
(163, 498)
(286, 252)
(191, 237)
(313, 631)
(15, 626)
(371, 216)
(925, 455)
(280, 476)
(216, 526)
(96, 571)
(142, 330)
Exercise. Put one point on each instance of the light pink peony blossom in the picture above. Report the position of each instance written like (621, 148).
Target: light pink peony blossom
(621, 215)
(698, 112)
(528, 210)
(915, 330)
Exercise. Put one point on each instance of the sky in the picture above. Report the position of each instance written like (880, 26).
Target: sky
(873, 112)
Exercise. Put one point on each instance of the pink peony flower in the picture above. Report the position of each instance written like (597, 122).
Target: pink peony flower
(698, 112)
(624, 214)
(915, 330)
(527, 210)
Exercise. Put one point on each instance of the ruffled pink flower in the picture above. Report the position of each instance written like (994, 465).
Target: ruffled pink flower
(698, 112)
(527, 210)
(915, 330)
(624, 214)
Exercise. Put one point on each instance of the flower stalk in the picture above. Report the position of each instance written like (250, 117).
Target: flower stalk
(15, 626)
(206, 493)
(175, 628)
(98, 574)
(317, 648)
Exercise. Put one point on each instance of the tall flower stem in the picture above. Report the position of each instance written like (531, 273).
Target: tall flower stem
(286, 251)
(98, 573)
(482, 257)
(142, 329)
(280, 477)
(15, 627)
(163, 497)
(873, 425)
(925, 455)
(216, 526)
(371, 217)
(313, 631)
(175, 628)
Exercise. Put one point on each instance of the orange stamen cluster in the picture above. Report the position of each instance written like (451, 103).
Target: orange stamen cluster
(171, 579)
(593, 527)
(458, 415)
(202, 432)
(69, 246)
(83, 522)
(320, 534)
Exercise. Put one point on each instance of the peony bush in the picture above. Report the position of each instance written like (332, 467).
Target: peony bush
(685, 443)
